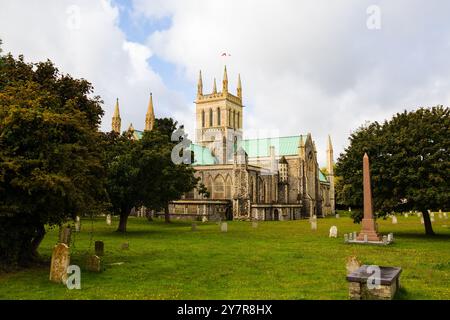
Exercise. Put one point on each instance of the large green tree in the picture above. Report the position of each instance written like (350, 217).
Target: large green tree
(50, 167)
(409, 163)
(142, 173)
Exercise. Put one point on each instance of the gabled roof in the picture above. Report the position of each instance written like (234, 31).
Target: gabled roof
(284, 146)
(322, 177)
(202, 156)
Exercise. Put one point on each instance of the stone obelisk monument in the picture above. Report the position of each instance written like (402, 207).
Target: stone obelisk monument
(368, 222)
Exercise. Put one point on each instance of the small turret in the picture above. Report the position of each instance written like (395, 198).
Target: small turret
(200, 84)
(116, 120)
(214, 86)
(239, 87)
(225, 81)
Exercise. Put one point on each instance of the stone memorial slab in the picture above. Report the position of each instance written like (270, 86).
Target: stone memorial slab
(108, 219)
(65, 234)
(333, 232)
(99, 248)
(224, 227)
(59, 264)
(93, 263)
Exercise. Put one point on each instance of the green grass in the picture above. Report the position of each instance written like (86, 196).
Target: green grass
(278, 260)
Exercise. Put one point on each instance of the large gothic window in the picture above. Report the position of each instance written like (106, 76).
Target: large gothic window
(219, 188)
(228, 187)
(219, 122)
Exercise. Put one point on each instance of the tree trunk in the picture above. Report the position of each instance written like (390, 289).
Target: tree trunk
(166, 214)
(123, 221)
(36, 241)
(427, 222)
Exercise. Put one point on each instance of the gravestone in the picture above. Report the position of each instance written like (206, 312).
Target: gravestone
(390, 237)
(125, 246)
(406, 215)
(224, 227)
(99, 248)
(254, 224)
(337, 215)
(350, 237)
(108, 219)
(314, 225)
(445, 216)
(65, 234)
(353, 264)
(93, 263)
(354, 235)
(194, 227)
(394, 220)
(333, 232)
(385, 239)
(60, 263)
(77, 224)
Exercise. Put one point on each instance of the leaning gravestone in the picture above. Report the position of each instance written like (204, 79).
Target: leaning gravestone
(333, 232)
(60, 263)
(65, 235)
(108, 219)
(93, 264)
(224, 227)
(353, 264)
(394, 220)
(99, 248)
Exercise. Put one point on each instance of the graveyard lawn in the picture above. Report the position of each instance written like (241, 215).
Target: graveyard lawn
(276, 260)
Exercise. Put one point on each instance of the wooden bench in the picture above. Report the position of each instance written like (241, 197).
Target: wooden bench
(389, 283)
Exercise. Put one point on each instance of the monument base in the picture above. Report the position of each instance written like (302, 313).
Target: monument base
(368, 229)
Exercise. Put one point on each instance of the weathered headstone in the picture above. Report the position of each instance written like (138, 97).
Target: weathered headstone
(390, 237)
(394, 220)
(353, 264)
(99, 248)
(125, 245)
(333, 232)
(108, 219)
(385, 239)
(65, 234)
(60, 263)
(224, 227)
(314, 225)
(194, 227)
(337, 215)
(406, 215)
(93, 263)
(77, 224)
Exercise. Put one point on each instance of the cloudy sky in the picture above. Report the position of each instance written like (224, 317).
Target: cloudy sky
(321, 66)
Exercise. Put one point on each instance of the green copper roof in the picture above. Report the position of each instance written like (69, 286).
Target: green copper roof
(138, 134)
(284, 146)
(202, 156)
(322, 177)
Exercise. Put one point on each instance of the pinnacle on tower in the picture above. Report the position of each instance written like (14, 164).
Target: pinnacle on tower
(329, 144)
(200, 84)
(239, 87)
(214, 86)
(150, 116)
(116, 121)
(225, 81)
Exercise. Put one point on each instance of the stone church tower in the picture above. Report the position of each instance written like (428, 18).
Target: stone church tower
(219, 119)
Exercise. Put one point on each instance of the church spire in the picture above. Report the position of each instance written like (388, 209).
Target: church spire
(239, 87)
(330, 169)
(150, 116)
(200, 84)
(214, 86)
(225, 81)
(116, 121)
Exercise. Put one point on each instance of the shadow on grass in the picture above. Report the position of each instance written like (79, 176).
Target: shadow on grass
(422, 236)
(402, 294)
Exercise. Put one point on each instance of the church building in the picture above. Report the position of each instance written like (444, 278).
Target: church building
(274, 178)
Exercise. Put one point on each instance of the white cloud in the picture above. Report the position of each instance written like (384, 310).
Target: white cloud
(83, 39)
(311, 66)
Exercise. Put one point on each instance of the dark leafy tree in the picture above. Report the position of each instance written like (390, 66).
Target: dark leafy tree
(410, 163)
(50, 166)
